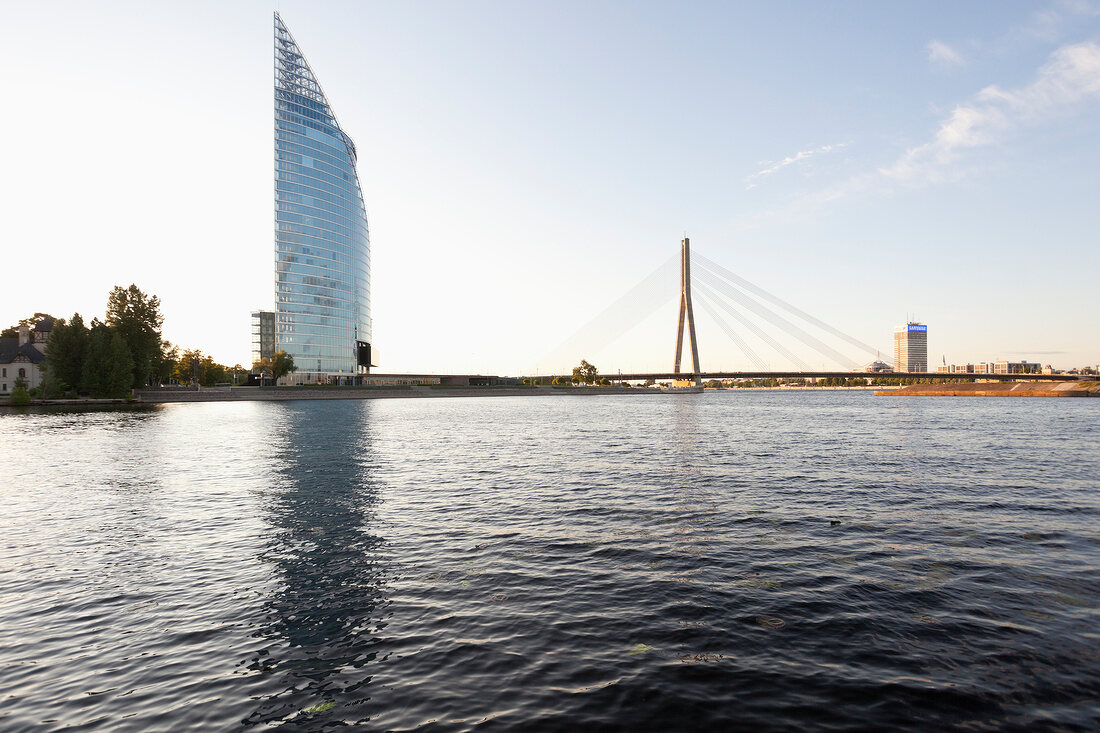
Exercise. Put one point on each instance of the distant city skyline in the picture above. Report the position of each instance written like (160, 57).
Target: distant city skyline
(526, 165)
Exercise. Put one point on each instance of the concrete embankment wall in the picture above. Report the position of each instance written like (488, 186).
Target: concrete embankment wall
(997, 389)
(279, 394)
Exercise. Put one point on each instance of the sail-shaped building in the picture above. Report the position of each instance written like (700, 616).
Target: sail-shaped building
(322, 245)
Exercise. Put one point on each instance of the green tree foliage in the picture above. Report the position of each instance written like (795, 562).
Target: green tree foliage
(19, 394)
(194, 365)
(66, 352)
(29, 322)
(586, 373)
(275, 366)
(561, 381)
(188, 367)
(282, 364)
(136, 316)
(108, 366)
(166, 364)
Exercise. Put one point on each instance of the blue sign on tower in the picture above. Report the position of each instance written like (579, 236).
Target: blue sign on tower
(916, 327)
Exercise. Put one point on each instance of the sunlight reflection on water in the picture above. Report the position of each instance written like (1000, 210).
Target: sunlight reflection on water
(664, 561)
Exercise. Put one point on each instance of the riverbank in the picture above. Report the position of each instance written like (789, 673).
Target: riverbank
(282, 394)
(997, 389)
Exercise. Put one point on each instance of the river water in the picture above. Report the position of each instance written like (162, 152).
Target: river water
(762, 560)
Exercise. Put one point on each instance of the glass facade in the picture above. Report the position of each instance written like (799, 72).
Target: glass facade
(322, 247)
(263, 335)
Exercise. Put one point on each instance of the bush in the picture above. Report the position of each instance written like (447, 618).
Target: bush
(19, 394)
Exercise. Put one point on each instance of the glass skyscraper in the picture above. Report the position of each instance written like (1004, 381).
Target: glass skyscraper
(322, 247)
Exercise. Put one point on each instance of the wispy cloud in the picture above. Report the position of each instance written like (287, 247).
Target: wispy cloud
(1071, 76)
(1036, 352)
(791, 160)
(943, 55)
(1051, 22)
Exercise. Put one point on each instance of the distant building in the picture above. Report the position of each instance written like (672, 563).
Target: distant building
(911, 348)
(877, 366)
(263, 335)
(999, 367)
(24, 357)
(1017, 367)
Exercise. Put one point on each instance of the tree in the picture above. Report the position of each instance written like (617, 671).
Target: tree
(108, 367)
(29, 322)
(276, 366)
(560, 381)
(136, 316)
(586, 373)
(194, 365)
(166, 364)
(66, 352)
(213, 372)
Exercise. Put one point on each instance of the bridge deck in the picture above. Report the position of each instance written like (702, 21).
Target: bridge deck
(822, 375)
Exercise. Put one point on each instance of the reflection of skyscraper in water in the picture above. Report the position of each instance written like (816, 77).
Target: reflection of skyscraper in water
(319, 633)
(911, 348)
(322, 246)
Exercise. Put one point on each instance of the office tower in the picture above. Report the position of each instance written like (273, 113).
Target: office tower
(322, 246)
(911, 348)
(263, 335)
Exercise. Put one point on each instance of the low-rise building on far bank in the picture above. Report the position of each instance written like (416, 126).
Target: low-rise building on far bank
(24, 356)
(1000, 366)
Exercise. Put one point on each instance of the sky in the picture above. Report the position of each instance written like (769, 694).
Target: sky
(525, 165)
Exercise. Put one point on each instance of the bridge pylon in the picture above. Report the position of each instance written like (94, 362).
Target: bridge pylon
(686, 313)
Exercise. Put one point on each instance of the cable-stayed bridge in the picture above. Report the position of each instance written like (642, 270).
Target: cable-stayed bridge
(756, 321)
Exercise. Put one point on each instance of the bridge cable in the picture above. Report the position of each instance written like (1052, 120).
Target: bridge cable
(745, 284)
(763, 335)
(777, 320)
(741, 344)
(640, 302)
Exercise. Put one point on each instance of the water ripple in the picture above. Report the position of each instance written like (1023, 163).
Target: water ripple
(765, 560)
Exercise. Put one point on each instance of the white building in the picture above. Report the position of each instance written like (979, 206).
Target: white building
(24, 357)
(911, 348)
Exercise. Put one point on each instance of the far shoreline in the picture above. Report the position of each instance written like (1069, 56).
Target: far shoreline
(154, 397)
(151, 397)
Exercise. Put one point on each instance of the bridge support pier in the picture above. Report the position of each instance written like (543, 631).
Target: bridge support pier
(686, 313)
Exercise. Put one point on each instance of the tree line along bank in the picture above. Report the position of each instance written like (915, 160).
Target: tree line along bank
(124, 351)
